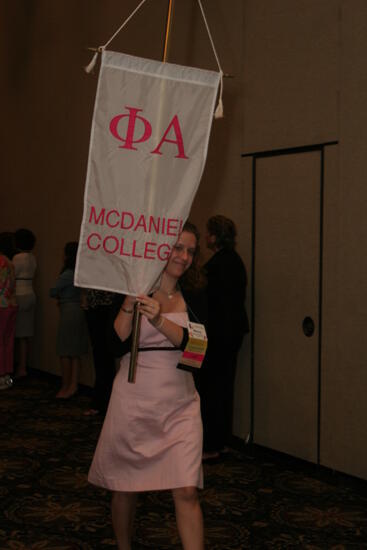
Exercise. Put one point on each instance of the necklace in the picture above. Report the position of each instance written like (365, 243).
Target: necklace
(169, 294)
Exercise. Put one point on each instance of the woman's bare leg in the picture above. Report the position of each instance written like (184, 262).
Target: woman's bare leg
(189, 518)
(123, 506)
(65, 376)
(74, 378)
(70, 367)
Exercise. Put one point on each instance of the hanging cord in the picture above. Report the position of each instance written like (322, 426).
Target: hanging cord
(219, 110)
(89, 68)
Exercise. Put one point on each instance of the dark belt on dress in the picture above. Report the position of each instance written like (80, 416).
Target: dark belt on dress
(159, 348)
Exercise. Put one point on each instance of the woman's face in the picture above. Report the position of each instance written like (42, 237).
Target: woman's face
(182, 254)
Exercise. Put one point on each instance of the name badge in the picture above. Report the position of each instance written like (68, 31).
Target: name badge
(194, 352)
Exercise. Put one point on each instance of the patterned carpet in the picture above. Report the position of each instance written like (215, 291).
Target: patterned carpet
(252, 499)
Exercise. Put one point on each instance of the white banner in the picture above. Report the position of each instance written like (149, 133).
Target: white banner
(149, 141)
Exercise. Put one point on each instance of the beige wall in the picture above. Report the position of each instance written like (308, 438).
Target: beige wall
(305, 84)
(299, 78)
(291, 62)
(344, 376)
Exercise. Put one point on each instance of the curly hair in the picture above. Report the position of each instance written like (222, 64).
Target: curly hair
(70, 252)
(25, 239)
(7, 244)
(224, 231)
(193, 278)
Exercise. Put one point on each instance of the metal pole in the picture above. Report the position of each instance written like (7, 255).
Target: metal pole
(137, 314)
(168, 29)
(134, 344)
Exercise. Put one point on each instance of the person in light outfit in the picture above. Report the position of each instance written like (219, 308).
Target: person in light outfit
(25, 268)
(152, 435)
(72, 333)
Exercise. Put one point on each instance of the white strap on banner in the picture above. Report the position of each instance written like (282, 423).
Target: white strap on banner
(218, 113)
(89, 68)
(219, 109)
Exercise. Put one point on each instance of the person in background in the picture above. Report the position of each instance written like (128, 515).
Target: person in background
(25, 267)
(8, 310)
(98, 306)
(227, 325)
(72, 334)
(152, 434)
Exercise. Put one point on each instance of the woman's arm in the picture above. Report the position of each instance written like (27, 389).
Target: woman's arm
(124, 320)
(17, 263)
(151, 308)
(64, 280)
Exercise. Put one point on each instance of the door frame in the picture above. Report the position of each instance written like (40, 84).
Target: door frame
(320, 147)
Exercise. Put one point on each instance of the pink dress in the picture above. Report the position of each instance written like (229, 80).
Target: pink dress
(152, 434)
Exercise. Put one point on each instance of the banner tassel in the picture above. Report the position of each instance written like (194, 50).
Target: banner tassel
(89, 68)
(218, 113)
(219, 110)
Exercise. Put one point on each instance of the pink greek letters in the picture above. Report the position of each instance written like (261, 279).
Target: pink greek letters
(139, 130)
(129, 140)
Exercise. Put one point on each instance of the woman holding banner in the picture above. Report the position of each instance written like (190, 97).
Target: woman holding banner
(152, 435)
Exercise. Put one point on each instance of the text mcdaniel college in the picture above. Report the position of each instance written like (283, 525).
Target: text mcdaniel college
(128, 222)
